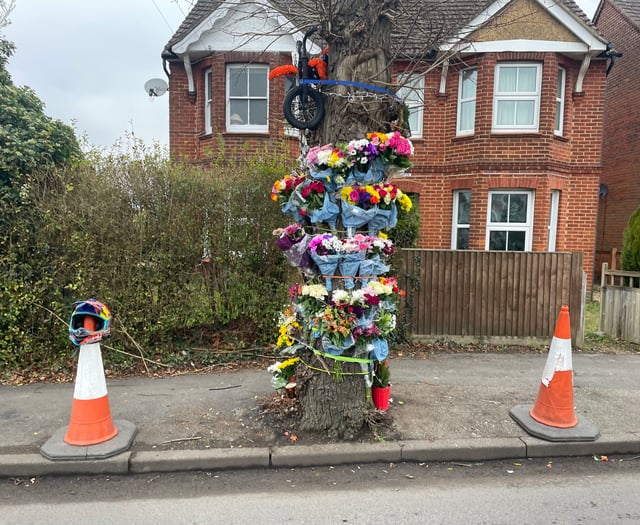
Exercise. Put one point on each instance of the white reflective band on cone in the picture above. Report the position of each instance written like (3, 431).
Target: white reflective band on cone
(558, 360)
(90, 381)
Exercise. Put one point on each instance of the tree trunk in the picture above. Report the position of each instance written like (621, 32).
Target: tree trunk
(333, 405)
(359, 38)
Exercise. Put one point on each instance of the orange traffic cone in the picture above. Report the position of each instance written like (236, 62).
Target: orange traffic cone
(552, 417)
(91, 421)
(554, 406)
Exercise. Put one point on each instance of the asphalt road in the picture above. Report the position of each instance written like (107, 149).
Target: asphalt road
(560, 490)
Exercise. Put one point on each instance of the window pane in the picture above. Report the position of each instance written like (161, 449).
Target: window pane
(238, 82)
(507, 81)
(462, 239)
(257, 82)
(558, 115)
(506, 112)
(258, 112)
(518, 208)
(239, 112)
(525, 112)
(467, 115)
(527, 79)
(499, 207)
(464, 199)
(516, 241)
(498, 240)
(469, 77)
(560, 83)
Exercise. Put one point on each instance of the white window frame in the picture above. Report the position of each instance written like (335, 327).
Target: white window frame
(455, 225)
(560, 98)
(246, 128)
(554, 208)
(516, 96)
(526, 227)
(463, 101)
(412, 92)
(208, 78)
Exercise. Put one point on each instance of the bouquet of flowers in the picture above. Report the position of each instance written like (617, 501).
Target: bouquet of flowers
(359, 206)
(282, 372)
(367, 166)
(293, 241)
(283, 188)
(334, 326)
(354, 250)
(289, 329)
(325, 251)
(329, 164)
(314, 203)
(395, 149)
(308, 299)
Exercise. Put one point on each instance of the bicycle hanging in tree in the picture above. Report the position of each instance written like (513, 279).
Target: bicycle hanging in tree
(303, 104)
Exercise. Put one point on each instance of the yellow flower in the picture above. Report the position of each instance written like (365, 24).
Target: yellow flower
(405, 202)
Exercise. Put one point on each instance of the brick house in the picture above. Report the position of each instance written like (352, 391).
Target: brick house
(619, 21)
(506, 116)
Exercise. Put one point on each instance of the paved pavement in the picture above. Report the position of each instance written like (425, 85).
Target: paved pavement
(449, 407)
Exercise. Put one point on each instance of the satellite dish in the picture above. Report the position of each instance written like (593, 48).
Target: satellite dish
(156, 87)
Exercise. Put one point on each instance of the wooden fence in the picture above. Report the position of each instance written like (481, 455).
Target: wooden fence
(491, 296)
(620, 304)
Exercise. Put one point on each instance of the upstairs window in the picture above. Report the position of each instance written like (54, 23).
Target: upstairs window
(560, 102)
(510, 221)
(412, 92)
(516, 98)
(247, 98)
(467, 101)
(207, 101)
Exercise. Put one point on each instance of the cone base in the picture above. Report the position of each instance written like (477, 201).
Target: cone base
(583, 431)
(55, 449)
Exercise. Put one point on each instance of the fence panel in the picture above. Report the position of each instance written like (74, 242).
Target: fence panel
(486, 295)
(620, 304)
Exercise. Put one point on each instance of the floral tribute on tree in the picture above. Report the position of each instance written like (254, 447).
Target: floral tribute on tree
(345, 309)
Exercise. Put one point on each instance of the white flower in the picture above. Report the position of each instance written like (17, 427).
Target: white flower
(340, 296)
(317, 291)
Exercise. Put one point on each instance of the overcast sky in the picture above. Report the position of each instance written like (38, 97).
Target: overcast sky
(88, 61)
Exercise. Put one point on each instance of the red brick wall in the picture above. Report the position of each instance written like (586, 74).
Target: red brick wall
(621, 142)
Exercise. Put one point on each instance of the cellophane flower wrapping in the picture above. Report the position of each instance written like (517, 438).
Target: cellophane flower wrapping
(355, 217)
(349, 265)
(371, 268)
(383, 219)
(328, 213)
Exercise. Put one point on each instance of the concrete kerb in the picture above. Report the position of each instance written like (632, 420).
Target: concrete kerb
(477, 449)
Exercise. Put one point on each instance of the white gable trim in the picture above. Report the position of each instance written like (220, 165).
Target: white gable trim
(498, 46)
(591, 42)
(285, 29)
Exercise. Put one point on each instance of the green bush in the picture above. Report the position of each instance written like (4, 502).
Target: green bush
(178, 253)
(630, 256)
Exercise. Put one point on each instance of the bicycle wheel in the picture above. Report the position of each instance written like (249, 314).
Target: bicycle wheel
(303, 107)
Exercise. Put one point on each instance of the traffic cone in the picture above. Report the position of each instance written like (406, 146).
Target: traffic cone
(552, 417)
(554, 406)
(91, 421)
